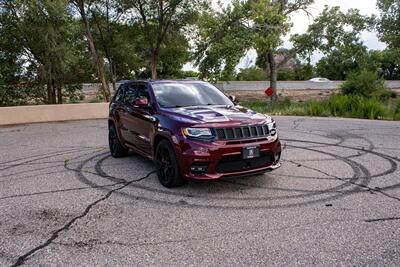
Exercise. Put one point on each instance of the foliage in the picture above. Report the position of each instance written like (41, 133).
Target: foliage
(352, 106)
(22, 94)
(73, 92)
(300, 73)
(286, 75)
(226, 35)
(365, 83)
(252, 74)
(389, 23)
(47, 54)
(160, 21)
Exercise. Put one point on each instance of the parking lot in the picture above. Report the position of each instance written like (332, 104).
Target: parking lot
(335, 201)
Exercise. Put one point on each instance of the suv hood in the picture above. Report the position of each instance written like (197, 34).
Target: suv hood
(216, 114)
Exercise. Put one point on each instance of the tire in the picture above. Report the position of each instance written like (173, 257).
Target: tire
(116, 148)
(167, 164)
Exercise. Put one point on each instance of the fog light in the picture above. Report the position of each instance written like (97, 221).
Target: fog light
(199, 168)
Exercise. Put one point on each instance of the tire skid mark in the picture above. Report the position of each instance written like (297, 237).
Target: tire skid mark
(361, 177)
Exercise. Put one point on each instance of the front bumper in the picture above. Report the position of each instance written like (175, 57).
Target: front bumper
(223, 159)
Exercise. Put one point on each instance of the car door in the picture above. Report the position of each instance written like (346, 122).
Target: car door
(117, 111)
(145, 122)
(126, 114)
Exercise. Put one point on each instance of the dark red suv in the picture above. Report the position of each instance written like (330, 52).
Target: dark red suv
(191, 130)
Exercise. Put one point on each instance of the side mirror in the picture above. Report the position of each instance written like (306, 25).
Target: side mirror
(233, 99)
(142, 102)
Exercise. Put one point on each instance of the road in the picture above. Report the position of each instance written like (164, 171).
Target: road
(335, 201)
(232, 86)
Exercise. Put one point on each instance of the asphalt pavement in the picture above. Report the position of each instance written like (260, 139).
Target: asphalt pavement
(64, 201)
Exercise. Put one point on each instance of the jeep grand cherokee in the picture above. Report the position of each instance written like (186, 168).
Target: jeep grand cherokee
(191, 130)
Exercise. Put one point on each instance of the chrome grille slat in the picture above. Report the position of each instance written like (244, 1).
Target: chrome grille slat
(245, 132)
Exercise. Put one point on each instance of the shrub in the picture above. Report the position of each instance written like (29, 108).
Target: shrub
(22, 94)
(252, 74)
(396, 113)
(364, 83)
(73, 92)
(352, 106)
(286, 75)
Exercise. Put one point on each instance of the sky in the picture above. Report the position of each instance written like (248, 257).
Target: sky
(301, 21)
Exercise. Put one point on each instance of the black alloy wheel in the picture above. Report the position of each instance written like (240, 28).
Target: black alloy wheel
(116, 148)
(167, 165)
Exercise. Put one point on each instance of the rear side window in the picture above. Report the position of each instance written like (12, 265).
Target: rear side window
(130, 93)
(120, 94)
(142, 91)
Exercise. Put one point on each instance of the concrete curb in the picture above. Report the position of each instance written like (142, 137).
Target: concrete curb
(51, 113)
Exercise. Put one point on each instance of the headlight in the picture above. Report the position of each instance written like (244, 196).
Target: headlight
(272, 127)
(197, 132)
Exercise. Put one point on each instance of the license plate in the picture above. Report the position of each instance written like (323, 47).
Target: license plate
(250, 152)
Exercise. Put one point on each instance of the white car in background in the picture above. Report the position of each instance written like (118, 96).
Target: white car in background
(319, 80)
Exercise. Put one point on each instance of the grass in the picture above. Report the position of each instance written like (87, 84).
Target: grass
(338, 105)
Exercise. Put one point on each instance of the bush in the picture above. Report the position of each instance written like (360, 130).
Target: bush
(396, 113)
(22, 94)
(352, 106)
(286, 75)
(252, 74)
(73, 92)
(355, 106)
(364, 83)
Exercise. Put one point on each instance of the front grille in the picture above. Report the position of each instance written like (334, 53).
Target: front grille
(236, 163)
(255, 131)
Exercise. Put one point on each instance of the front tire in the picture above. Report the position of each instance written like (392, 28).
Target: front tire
(167, 164)
(116, 148)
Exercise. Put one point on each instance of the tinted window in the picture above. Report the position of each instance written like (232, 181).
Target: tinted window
(130, 93)
(142, 91)
(188, 94)
(120, 94)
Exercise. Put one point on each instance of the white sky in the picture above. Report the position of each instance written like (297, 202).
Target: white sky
(301, 21)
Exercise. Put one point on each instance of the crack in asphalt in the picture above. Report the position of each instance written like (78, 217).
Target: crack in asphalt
(66, 227)
(383, 219)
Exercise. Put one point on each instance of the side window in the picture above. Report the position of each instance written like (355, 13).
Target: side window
(130, 94)
(120, 94)
(142, 91)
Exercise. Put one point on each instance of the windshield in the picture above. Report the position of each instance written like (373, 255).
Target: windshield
(170, 95)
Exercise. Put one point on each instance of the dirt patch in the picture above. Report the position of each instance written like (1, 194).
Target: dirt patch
(295, 95)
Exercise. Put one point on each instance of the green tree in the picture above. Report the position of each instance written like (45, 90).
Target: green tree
(336, 34)
(159, 20)
(259, 24)
(42, 31)
(388, 25)
(117, 42)
(83, 6)
(387, 62)
(341, 61)
(389, 22)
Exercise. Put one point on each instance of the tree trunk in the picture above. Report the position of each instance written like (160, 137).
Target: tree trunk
(59, 93)
(273, 73)
(154, 62)
(97, 59)
(53, 92)
(49, 92)
(113, 75)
